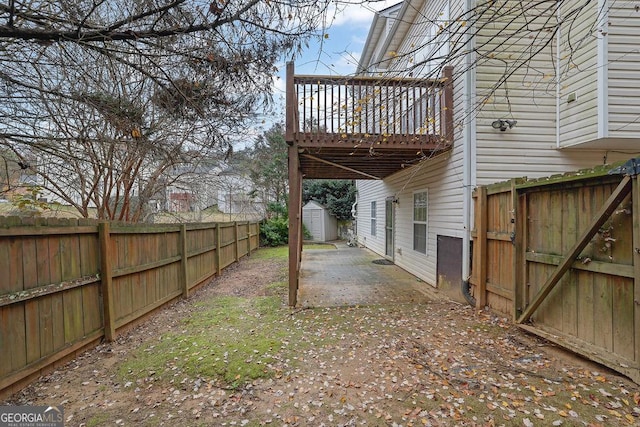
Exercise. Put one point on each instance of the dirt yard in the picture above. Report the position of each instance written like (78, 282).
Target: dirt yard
(234, 354)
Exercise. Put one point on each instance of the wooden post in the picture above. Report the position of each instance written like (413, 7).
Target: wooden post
(294, 223)
(295, 196)
(248, 238)
(184, 258)
(521, 287)
(237, 237)
(106, 280)
(218, 249)
(618, 195)
(446, 118)
(481, 247)
(291, 104)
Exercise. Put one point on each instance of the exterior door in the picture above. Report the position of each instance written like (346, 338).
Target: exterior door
(388, 229)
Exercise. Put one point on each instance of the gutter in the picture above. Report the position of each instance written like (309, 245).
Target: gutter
(558, 74)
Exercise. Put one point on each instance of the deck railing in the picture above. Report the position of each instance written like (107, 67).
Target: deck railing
(393, 110)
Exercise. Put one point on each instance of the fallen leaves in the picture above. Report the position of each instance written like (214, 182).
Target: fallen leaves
(406, 365)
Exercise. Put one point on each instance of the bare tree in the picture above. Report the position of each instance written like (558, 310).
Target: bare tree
(107, 95)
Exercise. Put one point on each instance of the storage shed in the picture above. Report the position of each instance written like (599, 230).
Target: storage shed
(321, 224)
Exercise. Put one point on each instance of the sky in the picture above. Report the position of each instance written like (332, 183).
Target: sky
(336, 54)
(339, 52)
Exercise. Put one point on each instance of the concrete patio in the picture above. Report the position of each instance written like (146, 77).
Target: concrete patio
(348, 276)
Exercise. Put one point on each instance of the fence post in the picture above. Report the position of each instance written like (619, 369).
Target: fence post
(248, 238)
(481, 248)
(218, 249)
(237, 231)
(107, 282)
(183, 261)
(519, 222)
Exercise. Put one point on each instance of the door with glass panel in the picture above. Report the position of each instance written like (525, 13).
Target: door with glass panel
(388, 229)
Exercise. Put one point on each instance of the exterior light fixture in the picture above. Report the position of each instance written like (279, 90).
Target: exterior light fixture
(503, 124)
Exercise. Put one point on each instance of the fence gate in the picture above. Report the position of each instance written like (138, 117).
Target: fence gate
(577, 252)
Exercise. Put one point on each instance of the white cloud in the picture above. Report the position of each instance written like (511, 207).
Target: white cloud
(357, 13)
(346, 63)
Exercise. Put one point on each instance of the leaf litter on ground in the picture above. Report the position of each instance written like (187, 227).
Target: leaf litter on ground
(235, 355)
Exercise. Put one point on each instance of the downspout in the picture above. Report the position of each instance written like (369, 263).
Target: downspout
(603, 71)
(468, 155)
(558, 74)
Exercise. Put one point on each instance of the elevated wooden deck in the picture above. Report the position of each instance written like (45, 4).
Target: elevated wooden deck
(367, 127)
(359, 128)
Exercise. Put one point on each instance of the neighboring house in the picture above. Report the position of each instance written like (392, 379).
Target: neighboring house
(236, 195)
(195, 188)
(533, 125)
(191, 188)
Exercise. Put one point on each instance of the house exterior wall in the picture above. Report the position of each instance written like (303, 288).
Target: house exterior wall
(481, 154)
(624, 71)
(533, 147)
(578, 70)
(441, 177)
(371, 191)
(442, 182)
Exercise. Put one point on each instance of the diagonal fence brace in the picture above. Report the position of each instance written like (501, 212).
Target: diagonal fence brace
(618, 195)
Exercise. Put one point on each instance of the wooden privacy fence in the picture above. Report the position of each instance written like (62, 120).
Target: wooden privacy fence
(562, 257)
(65, 284)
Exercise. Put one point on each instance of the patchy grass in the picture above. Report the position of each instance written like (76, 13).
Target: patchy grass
(229, 341)
(318, 246)
(98, 419)
(277, 253)
(243, 358)
(282, 252)
(278, 288)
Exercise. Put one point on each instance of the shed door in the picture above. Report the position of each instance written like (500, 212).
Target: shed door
(388, 229)
(316, 224)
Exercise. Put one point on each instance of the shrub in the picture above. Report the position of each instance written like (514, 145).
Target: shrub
(274, 232)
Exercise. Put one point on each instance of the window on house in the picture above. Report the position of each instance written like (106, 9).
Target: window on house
(374, 218)
(420, 222)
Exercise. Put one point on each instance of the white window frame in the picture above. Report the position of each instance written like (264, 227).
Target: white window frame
(424, 222)
(374, 218)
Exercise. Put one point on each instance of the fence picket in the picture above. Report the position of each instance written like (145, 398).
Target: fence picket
(57, 293)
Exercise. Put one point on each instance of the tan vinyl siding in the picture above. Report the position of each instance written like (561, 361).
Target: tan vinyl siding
(624, 70)
(528, 97)
(579, 76)
(371, 191)
(441, 179)
(530, 148)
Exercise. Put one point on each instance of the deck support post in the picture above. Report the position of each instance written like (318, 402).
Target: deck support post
(446, 120)
(295, 218)
(295, 187)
